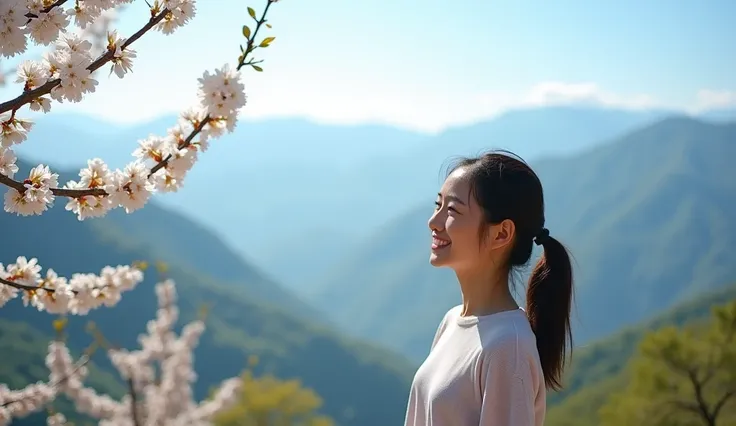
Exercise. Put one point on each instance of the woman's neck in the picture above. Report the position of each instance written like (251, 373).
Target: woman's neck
(485, 292)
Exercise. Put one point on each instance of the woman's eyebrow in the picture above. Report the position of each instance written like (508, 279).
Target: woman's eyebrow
(452, 198)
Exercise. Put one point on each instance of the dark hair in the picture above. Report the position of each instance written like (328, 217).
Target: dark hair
(506, 187)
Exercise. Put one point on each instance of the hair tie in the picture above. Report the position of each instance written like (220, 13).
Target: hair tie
(542, 237)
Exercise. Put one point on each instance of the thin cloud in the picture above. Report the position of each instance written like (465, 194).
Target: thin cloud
(555, 93)
(714, 99)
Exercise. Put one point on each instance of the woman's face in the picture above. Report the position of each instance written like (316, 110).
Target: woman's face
(456, 225)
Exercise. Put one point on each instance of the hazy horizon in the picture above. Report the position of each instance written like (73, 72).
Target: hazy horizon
(729, 111)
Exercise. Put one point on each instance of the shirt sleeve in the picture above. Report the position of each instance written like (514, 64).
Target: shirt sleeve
(506, 388)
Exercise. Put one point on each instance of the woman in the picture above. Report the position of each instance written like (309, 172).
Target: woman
(491, 361)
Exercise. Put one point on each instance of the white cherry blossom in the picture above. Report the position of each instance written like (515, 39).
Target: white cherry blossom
(161, 373)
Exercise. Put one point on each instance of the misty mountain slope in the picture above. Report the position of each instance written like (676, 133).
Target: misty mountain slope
(648, 218)
(177, 238)
(653, 212)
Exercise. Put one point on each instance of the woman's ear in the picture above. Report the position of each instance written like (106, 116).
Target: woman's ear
(501, 234)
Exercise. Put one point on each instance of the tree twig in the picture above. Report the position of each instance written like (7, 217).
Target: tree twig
(251, 47)
(33, 289)
(24, 286)
(188, 141)
(46, 9)
(80, 363)
(133, 403)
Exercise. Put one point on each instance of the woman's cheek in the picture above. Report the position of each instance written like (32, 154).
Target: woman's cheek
(452, 223)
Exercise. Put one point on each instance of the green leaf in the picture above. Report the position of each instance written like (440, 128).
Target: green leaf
(257, 68)
(269, 25)
(246, 32)
(252, 12)
(266, 41)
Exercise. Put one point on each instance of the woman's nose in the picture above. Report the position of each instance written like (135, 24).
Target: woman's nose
(434, 223)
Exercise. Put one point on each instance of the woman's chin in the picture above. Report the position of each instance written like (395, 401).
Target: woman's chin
(436, 259)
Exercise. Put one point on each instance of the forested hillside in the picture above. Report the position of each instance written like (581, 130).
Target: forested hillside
(599, 369)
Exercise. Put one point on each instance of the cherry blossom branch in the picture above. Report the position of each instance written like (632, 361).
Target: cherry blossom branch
(99, 192)
(64, 374)
(33, 289)
(159, 375)
(54, 294)
(241, 63)
(29, 288)
(184, 144)
(61, 192)
(81, 363)
(46, 9)
(221, 97)
(28, 96)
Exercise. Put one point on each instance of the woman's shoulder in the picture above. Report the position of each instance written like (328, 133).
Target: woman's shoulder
(509, 333)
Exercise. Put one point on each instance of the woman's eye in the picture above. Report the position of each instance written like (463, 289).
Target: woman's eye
(438, 206)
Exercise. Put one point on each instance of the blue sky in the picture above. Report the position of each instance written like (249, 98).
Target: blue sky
(428, 64)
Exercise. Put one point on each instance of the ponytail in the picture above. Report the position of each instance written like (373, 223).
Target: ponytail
(548, 302)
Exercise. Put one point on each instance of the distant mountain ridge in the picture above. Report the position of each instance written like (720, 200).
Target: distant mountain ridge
(70, 139)
(649, 220)
(341, 181)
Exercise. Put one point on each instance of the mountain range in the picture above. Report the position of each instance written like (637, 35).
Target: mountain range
(648, 218)
(322, 234)
(343, 181)
(305, 187)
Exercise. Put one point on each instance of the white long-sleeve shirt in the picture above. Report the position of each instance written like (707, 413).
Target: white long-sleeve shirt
(481, 371)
